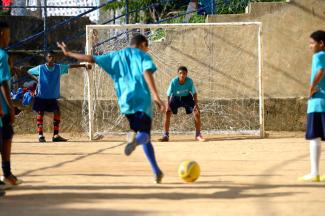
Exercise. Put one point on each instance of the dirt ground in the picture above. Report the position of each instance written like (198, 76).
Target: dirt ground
(239, 177)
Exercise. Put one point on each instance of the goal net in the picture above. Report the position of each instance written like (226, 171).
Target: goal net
(223, 59)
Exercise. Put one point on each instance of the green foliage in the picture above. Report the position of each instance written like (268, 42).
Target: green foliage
(174, 7)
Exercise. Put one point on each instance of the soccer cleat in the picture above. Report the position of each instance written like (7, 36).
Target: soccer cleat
(41, 139)
(309, 178)
(165, 138)
(200, 138)
(11, 181)
(322, 178)
(2, 187)
(131, 144)
(159, 177)
(59, 139)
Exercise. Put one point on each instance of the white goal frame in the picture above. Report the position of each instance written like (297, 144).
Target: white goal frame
(89, 33)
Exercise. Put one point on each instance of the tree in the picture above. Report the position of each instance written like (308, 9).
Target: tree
(153, 10)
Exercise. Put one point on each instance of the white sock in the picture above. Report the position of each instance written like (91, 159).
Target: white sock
(315, 151)
(191, 7)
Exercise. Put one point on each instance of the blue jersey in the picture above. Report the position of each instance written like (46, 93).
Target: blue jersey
(49, 80)
(177, 89)
(317, 102)
(4, 77)
(126, 67)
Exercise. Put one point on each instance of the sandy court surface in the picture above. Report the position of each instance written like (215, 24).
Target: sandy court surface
(239, 177)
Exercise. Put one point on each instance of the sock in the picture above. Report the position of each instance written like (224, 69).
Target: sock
(166, 134)
(191, 7)
(197, 133)
(39, 120)
(315, 151)
(150, 153)
(6, 168)
(56, 123)
(142, 138)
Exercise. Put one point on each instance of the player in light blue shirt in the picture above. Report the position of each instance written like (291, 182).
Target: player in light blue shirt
(7, 107)
(182, 93)
(315, 132)
(48, 93)
(132, 71)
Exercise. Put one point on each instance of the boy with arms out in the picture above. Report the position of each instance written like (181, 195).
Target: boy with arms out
(8, 109)
(132, 71)
(48, 93)
(315, 132)
(182, 93)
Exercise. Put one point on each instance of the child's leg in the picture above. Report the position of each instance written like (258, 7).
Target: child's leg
(39, 120)
(56, 122)
(143, 138)
(167, 122)
(7, 134)
(197, 122)
(315, 152)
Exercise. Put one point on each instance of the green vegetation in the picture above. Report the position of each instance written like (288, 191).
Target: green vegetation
(174, 7)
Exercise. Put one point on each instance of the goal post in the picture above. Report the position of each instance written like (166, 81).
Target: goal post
(224, 60)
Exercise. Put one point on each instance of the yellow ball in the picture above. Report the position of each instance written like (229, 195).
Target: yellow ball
(189, 171)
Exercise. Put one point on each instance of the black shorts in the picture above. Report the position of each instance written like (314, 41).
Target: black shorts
(182, 101)
(315, 126)
(139, 122)
(7, 129)
(45, 105)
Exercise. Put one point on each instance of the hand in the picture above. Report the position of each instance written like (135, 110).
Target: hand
(161, 106)
(63, 47)
(312, 91)
(1, 113)
(196, 108)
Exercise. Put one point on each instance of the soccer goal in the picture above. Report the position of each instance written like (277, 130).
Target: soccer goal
(224, 60)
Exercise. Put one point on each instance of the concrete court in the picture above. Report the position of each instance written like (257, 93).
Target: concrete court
(239, 177)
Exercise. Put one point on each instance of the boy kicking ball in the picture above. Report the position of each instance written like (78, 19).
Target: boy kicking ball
(48, 93)
(182, 93)
(316, 106)
(132, 72)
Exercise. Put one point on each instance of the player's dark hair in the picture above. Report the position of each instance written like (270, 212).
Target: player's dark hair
(138, 39)
(182, 68)
(51, 52)
(3, 25)
(318, 36)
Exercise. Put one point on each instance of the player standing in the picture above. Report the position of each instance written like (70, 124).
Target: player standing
(182, 93)
(48, 92)
(316, 106)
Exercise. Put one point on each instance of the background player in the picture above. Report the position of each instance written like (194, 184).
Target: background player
(182, 93)
(8, 109)
(48, 91)
(132, 71)
(316, 106)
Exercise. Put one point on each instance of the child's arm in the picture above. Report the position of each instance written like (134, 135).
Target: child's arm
(319, 76)
(152, 86)
(6, 93)
(79, 57)
(196, 106)
(1, 111)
